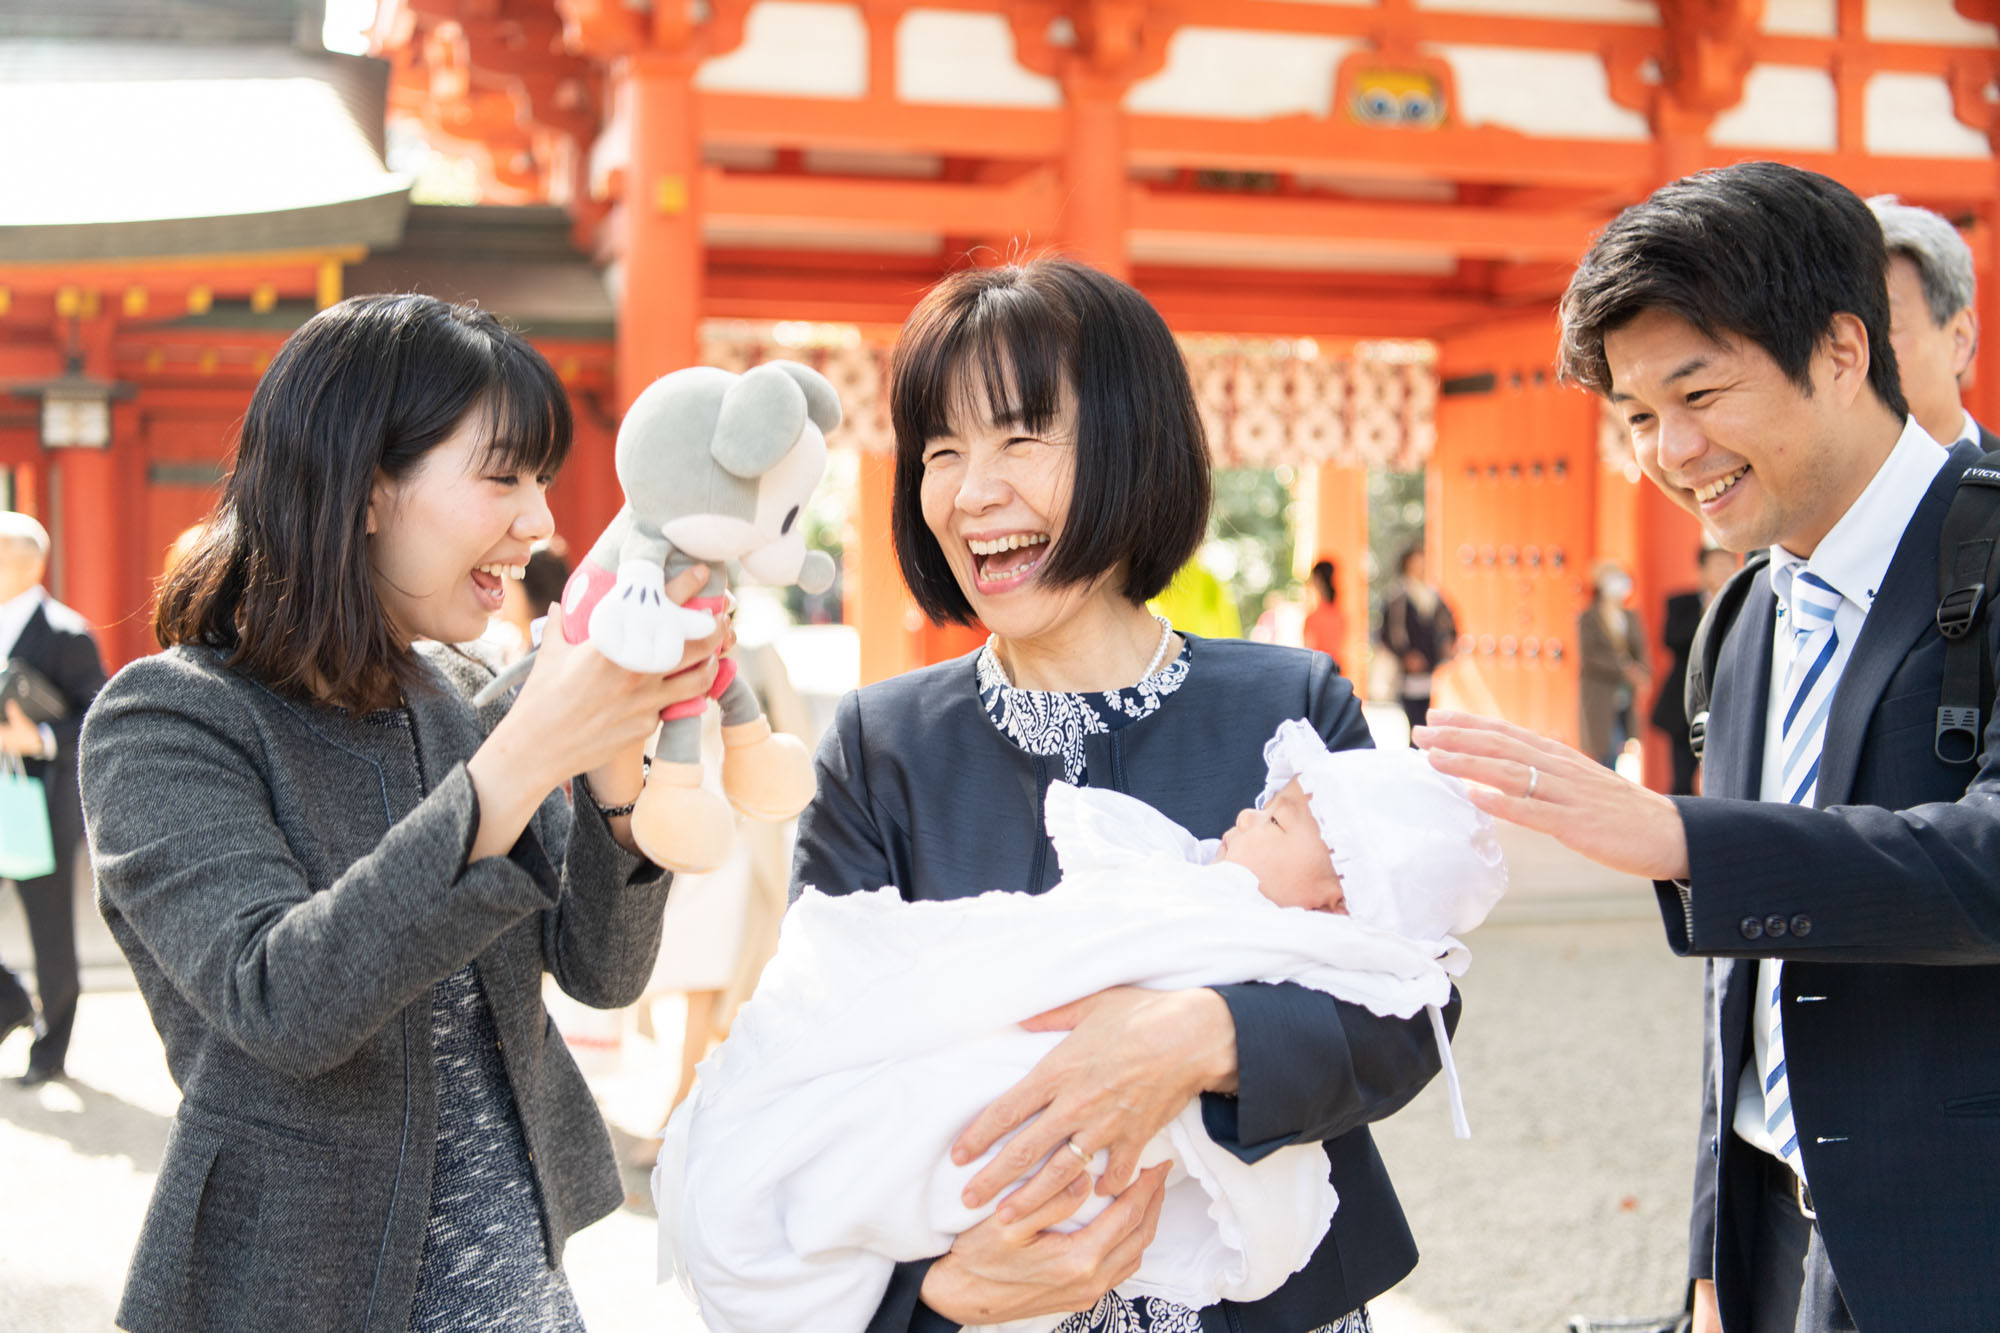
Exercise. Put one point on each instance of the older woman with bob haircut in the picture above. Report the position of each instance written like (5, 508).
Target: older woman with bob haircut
(339, 886)
(1051, 475)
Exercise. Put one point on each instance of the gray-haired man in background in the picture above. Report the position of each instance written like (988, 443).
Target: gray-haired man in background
(1932, 323)
(42, 633)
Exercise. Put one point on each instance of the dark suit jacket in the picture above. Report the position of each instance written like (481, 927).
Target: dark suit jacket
(57, 642)
(1677, 635)
(1885, 904)
(917, 788)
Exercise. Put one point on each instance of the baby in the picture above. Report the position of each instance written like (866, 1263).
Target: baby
(814, 1152)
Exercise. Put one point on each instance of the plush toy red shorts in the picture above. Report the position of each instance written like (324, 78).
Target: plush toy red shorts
(587, 588)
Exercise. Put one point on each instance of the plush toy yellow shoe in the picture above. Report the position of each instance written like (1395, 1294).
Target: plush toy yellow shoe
(767, 774)
(681, 825)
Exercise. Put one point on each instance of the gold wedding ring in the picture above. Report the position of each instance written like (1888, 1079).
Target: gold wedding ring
(1081, 1155)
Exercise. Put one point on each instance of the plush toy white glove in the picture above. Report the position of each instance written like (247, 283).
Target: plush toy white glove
(637, 627)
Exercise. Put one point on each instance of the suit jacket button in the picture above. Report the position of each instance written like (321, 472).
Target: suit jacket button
(1802, 925)
(1775, 926)
(1752, 928)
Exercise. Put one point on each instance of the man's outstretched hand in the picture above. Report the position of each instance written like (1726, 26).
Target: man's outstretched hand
(1545, 785)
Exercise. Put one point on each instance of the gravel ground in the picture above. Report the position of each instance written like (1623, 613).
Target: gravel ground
(1579, 1053)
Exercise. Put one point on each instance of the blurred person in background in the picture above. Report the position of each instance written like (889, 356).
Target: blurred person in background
(1326, 623)
(1933, 325)
(527, 599)
(1419, 632)
(722, 927)
(48, 638)
(1713, 566)
(1611, 659)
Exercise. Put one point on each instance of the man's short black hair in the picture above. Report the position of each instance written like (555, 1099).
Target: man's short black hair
(1020, 337)
(1760, 250)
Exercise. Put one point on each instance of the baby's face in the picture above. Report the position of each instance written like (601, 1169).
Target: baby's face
(1280, 845)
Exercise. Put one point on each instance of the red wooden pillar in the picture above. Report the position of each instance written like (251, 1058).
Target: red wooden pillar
(873, 599)
(1111, 44)
(660, 289)
(83, 564)
(1096, 214)
(87, 527)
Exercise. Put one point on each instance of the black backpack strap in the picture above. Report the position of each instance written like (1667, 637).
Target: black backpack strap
(1968, 572)
(1706, 650)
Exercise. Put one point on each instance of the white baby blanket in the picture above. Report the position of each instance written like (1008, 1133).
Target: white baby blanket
(813, 1154)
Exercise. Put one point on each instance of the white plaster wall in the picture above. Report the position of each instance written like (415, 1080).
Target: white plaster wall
(1783, 106)
(1509, 87)
(1233, 75)
(1257, 253)
(796, 49)
(1596, 11)
(966, 59)
(1925, 21)
(1910, 114)
(1801, 18)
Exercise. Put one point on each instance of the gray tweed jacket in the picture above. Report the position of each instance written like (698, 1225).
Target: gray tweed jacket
(288, 888)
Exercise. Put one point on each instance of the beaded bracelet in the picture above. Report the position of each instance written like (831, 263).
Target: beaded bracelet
(613, 811)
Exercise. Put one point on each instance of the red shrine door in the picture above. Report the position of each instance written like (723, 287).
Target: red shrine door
(1511, 528)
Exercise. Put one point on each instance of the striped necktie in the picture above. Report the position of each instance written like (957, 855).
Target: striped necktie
(1809, 682)
(1809, 603)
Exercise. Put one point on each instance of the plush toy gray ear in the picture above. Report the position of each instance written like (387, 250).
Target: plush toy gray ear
(761, 417)
(822, 403)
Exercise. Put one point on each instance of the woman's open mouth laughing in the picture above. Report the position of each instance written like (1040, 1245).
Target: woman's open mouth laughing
(489, 581)
(1003, 563)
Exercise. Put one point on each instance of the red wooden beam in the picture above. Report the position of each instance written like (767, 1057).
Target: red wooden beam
(1025, 207)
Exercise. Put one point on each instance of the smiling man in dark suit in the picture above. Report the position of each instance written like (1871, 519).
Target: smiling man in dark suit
(53, 640)
(1843, 878)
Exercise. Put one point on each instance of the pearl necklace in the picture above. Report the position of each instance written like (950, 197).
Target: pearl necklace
(1159, 653)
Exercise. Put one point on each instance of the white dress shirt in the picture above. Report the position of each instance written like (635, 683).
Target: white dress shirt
(1852, 558)
(1969, 432)
(15, 613)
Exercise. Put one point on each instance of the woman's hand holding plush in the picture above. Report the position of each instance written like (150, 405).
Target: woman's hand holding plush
(580, 713)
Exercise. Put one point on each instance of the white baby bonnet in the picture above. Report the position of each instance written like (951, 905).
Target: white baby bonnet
(1416, 857)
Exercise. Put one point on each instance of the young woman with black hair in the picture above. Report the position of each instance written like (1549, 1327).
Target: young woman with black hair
(339, 886)
(1051, 475)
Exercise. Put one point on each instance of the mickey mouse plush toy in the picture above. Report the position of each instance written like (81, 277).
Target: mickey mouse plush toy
(716, 467)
